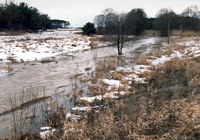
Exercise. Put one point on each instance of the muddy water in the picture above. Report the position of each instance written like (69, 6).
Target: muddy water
(52, 78)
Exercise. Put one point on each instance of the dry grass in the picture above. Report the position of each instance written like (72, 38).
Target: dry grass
(73, 45)
(120, 74)
(143, 60)
(174, 72)
(8, 68)
(24, 46)
(94, 41)
(190, 34)
(94, 38)
(146, 118)
(176, 32)
(151, 32)
(155, 53)
(103, 67)
(166, 108)
(186, 33)
(184, 39)
(169, 50)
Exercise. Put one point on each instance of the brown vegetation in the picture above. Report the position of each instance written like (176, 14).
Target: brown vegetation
(166, 106)
(143, 60)
(185, 33)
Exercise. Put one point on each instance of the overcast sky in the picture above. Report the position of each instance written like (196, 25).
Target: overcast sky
(78, 12)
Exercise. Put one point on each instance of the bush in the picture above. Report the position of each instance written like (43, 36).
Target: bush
(89, 29)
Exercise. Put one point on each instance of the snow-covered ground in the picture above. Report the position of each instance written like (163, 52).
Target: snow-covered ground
(43, 46)
(37, 46)
(47, 131)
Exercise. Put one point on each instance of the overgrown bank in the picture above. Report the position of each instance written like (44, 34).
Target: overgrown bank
(157, 98)
(162, 103)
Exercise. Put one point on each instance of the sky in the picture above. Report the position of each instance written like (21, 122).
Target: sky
(79, 12)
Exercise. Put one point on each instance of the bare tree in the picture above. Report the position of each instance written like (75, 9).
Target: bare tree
(115, 27)
(119, 25)
(190, 18)
(162, 21)
(192, 11)
(99, 22)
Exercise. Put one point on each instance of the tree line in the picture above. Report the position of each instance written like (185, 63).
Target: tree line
(120, 25)
(23, 17)
(136, 21)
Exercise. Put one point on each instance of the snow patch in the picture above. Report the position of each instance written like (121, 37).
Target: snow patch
(72, 116)
(48, 131)
(91, 99)
(85, 108)
(3, 73)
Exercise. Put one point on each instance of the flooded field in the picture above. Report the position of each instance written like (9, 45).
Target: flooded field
(53, 79)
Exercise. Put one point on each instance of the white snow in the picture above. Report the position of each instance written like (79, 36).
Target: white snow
(112, 83)
(45, 128)
(99, 97)
(91, 99)
(138, 79)
(37, 46)
(48, 131)
(140, 68)
(85, 108)
(122, 92)
(160, 60)
(81, 108)
(72, 116)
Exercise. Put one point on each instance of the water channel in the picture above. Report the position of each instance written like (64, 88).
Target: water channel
(53, 79)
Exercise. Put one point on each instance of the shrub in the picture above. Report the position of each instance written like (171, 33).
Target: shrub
(89, 29)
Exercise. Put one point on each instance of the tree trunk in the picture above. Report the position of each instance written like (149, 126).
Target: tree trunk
(122, 43)
(181, 30)
(118, 47)
(118, 44)
(168, 31)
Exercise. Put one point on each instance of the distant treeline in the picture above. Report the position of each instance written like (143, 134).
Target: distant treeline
(23, 17)
(136, 21)
(55, 23)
